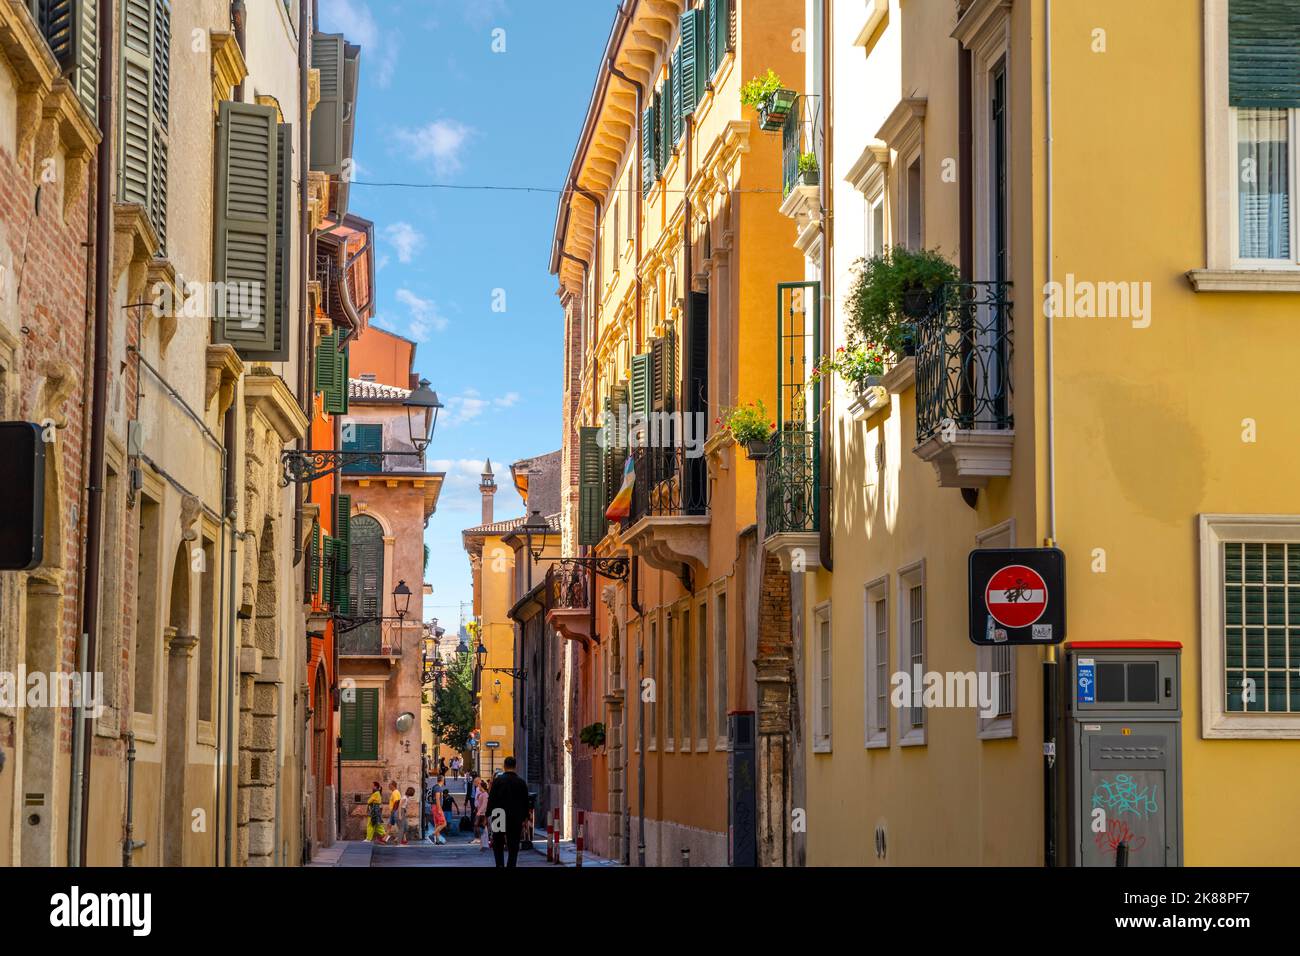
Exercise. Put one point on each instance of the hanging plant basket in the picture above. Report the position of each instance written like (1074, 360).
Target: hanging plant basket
(918, 301)
(758, 448)
(773, 111)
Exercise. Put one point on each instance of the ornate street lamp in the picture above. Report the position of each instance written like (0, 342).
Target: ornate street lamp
(401, 603)
(307, 466)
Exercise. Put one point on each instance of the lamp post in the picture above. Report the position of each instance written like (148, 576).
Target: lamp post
(536, 525)
(306, 466)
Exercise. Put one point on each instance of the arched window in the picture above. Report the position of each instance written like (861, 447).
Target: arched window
(366, 583)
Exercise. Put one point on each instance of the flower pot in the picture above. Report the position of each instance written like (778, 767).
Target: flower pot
(871, 381)
(757, 448)
(918, 301)
(810, 177)
(773, 111)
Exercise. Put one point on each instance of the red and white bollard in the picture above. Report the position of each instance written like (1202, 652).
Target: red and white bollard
(550, 840)
(558, 833)
(577, 843)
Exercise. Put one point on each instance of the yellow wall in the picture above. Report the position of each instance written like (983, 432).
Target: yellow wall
(496, 713)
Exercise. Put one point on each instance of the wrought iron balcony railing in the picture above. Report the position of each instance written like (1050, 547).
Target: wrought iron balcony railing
(370, 640)
(669, 483)
(793, 496)
(568, 586)
(963, 360)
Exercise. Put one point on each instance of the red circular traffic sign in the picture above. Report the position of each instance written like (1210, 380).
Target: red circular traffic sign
(1016, 596)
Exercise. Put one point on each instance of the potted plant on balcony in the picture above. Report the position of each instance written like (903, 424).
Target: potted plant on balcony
(860, 364)
(772, 100)
(891, 292)
(593, 735)
(750, 426)
(809, 174)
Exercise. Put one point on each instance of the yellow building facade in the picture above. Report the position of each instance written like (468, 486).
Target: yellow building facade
(1111, 292)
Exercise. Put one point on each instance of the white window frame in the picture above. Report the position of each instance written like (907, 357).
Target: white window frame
(874, 735)
(669, 700)
(1215, 530)
(823, 710)
(685, 739)
(989, 44)
(1224, 271)
(656, 632)
(1002, 727)
(703, 638)
(909, 577)
(720, 608)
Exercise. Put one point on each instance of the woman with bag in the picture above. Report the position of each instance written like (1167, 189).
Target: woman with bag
(480, 813)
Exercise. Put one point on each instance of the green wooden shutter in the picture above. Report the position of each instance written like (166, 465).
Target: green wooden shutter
(284, 226)
(1264, 53)
(688, 70)
(664, 373)
(640, 384)
(313, 565)
(159, 136)
(648, 149)
(367, 553)
(71, 27)
(365, 438)
(327, 578)
(326, 365)
(359, 725)
(661, 142)
(666, 125)
(342, 552)
(676, 85)
(144, 141)
(244, 248)
(591, 487)
(327, 53)
(336, 399)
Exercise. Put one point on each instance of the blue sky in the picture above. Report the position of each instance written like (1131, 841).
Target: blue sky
(438, 105)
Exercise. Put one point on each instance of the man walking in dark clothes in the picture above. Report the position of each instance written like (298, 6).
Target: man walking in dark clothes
(509, 794)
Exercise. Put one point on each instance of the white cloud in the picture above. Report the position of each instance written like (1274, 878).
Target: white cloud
(508, 400)
(354, 20)
(406, 239)
(425, 316)
(470, 405)
(382, 262)
(440, 143)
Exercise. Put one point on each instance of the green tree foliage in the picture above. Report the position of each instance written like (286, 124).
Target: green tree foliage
(453, 710)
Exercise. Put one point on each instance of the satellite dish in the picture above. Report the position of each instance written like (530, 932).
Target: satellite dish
(405, 723)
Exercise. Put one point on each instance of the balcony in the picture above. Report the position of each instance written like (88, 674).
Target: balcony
(964, 422)
(568, 600)
(801, 192)
(793, 499)
(369, 641)
(669, 524)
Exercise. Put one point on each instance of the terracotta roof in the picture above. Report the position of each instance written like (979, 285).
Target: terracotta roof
(505, 527)
(359, 389)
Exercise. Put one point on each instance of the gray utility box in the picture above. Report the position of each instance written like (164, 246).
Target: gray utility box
(1125, 754)
(742, 790)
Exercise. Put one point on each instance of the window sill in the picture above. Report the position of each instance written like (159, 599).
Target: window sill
(900, 377)
(914, 739)
(879, 744)
(824, 747)
(1244, 280)
(1222, 726)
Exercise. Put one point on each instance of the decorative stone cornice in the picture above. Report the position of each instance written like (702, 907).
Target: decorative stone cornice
(264, 99)
(318, 193)
(228, 66)
(980, 17)
(875, 155)
(313, 89)
(224, 369)
(904, 124)
(162, 272)
(266, 394)
(135, 243)
(66, 124)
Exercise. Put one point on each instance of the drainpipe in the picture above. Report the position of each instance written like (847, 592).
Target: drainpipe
(1051, 780)
(99, 388)
(238, 21)
(304, 319)
(129, 844)
(230, 433)
(966, 188)
(825, 539)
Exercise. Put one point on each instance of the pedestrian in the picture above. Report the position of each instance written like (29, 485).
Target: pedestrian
(375, 814)
(442, 766)
(480, 813)
(394, 803)
(404, 808)
(449, 802)
(438, 820)
(507, 809)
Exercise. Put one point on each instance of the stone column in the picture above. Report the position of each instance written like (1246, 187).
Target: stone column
(176, 819)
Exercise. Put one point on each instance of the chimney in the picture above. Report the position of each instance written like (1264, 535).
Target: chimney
(488, 488)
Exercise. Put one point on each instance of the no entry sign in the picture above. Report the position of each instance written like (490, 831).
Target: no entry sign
(1017, 596)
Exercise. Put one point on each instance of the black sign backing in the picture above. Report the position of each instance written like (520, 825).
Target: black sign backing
(1017, 596)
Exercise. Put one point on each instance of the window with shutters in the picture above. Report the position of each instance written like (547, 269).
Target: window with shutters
(876, 663)
(342, 554)
(145, 108)
(366, 587)
(246, 231)
(692, 68)
(911, 650)
(720, 666)
(313, 560)
(71, 28)
(719, 34)
(687, 697)
(359, 724)
(591, 487)
(332, 373)
(327, 133)
(1250, 626)
(822, 680)
(364, 438)
(1252, 50)
(670, 665)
